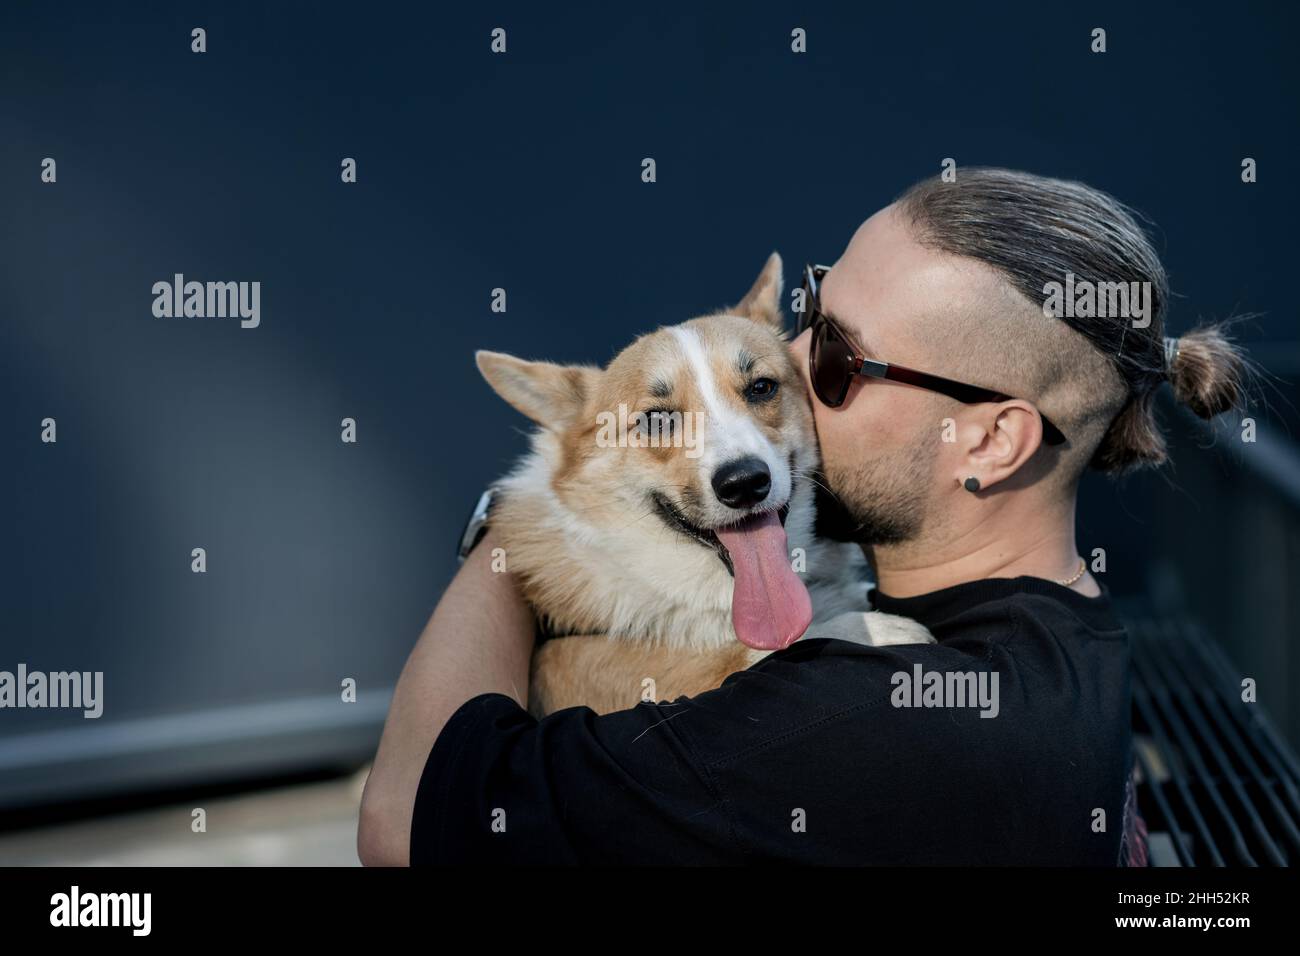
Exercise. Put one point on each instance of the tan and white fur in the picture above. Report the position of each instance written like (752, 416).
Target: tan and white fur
(593, 553)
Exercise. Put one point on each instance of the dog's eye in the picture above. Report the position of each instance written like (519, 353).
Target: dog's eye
(657, 421)
(761, 390)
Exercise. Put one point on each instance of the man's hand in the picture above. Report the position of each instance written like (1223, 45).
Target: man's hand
(478, 641)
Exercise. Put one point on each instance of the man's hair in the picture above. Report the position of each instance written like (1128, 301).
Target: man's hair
(1033, 230)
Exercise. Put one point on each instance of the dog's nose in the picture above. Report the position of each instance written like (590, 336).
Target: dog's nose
(742, 483)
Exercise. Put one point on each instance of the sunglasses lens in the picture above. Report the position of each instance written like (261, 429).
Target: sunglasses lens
(830, 363)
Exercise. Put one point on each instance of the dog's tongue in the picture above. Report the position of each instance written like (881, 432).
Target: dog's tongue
(770, 607)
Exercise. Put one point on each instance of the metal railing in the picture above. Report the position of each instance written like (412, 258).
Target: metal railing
(1217, 783)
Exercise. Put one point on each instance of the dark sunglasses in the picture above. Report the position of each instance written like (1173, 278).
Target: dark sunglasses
(833, 360)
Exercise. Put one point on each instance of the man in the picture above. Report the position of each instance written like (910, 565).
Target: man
(1005, 742)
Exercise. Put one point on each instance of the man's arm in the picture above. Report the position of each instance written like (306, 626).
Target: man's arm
(609, 674)
(478, 641)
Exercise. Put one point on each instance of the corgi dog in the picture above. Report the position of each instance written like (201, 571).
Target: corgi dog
(662, 521)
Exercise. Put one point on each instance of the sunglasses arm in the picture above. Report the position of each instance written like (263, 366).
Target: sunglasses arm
(871, 368)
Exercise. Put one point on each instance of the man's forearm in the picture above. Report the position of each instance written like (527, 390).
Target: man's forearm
(478, 641)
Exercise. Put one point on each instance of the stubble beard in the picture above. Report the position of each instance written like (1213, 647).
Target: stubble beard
(881, 501)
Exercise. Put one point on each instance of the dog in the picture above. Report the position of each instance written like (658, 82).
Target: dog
(662, 521)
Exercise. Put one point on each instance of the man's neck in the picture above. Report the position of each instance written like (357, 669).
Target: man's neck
(1040, 545)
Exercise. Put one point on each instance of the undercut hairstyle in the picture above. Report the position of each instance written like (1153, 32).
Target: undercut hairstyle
(1034, 230)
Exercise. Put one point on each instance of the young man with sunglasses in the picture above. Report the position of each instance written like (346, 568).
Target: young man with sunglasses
(955, 419)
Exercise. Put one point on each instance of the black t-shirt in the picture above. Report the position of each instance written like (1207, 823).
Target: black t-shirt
(825, 753)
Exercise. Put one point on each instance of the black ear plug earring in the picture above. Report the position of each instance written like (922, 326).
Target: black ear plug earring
(971, 484)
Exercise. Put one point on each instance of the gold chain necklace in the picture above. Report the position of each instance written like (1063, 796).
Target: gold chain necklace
(1083, 567)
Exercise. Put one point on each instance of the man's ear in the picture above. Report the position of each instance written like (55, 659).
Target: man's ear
(551, 395)
(762, 302)
(1000, 441)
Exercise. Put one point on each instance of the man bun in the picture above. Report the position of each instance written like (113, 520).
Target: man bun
(1207, 371)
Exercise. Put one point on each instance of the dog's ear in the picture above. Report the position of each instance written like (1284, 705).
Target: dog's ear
(762, 302)
(551, 395)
